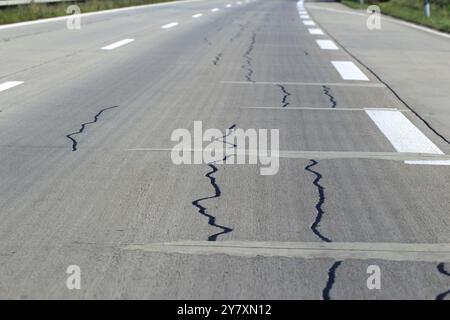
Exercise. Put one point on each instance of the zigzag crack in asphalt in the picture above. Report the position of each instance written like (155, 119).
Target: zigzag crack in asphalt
(286, 94)
(330, 282)
(316, 224)
(327, 92)
(248, 60)
(441, 269)
(217, 192)
(83, 127)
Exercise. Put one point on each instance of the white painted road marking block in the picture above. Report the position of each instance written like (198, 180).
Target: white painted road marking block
(304, 16)
(170, 25)
(309, 23)
(228, 6)
(198, 15)
(315, 31)
(327, 45)
(9, 84)
(405, 136)
(215, 9)
(349, 71)
(117, 44)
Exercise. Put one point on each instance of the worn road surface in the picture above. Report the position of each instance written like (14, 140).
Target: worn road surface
(86, 118)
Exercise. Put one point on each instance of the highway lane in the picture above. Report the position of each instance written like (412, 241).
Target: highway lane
(87, 207)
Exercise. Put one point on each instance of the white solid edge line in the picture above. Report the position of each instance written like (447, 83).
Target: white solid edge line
(349, 71)
(198, 15)
(327, 45)
(88, 14)
(117, 44)
(315, 31)
(9, 84)
(169, 25)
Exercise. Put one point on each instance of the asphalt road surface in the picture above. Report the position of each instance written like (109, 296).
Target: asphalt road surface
(86, 176)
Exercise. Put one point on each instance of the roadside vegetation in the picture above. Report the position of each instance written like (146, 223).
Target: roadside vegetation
(411, 10)
(46, 10)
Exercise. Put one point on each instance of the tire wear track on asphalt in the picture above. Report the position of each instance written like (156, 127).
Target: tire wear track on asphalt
(247, 66)
(217, 192)
(286, 94)
(234, 37)
(327, 92)
(316, 224)
(239, 33)
(441, 269)
(83, 127)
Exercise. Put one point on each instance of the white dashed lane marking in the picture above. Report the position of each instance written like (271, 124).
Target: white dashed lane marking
(170, 25)
(405, 136)
(9, 84)
(327, 45)
(349, 71)
(315, 31)
(117, 44)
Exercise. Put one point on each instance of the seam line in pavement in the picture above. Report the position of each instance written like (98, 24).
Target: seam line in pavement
(326, 109)
(425, 252)
(320, 155)
(336, 84)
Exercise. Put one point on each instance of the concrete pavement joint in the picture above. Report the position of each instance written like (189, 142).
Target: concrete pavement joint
(323, 155)
(326, 109)
(320, 84)
(389, 251)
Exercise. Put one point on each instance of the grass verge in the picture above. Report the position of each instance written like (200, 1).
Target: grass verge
(47, 10)
(412, 10)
